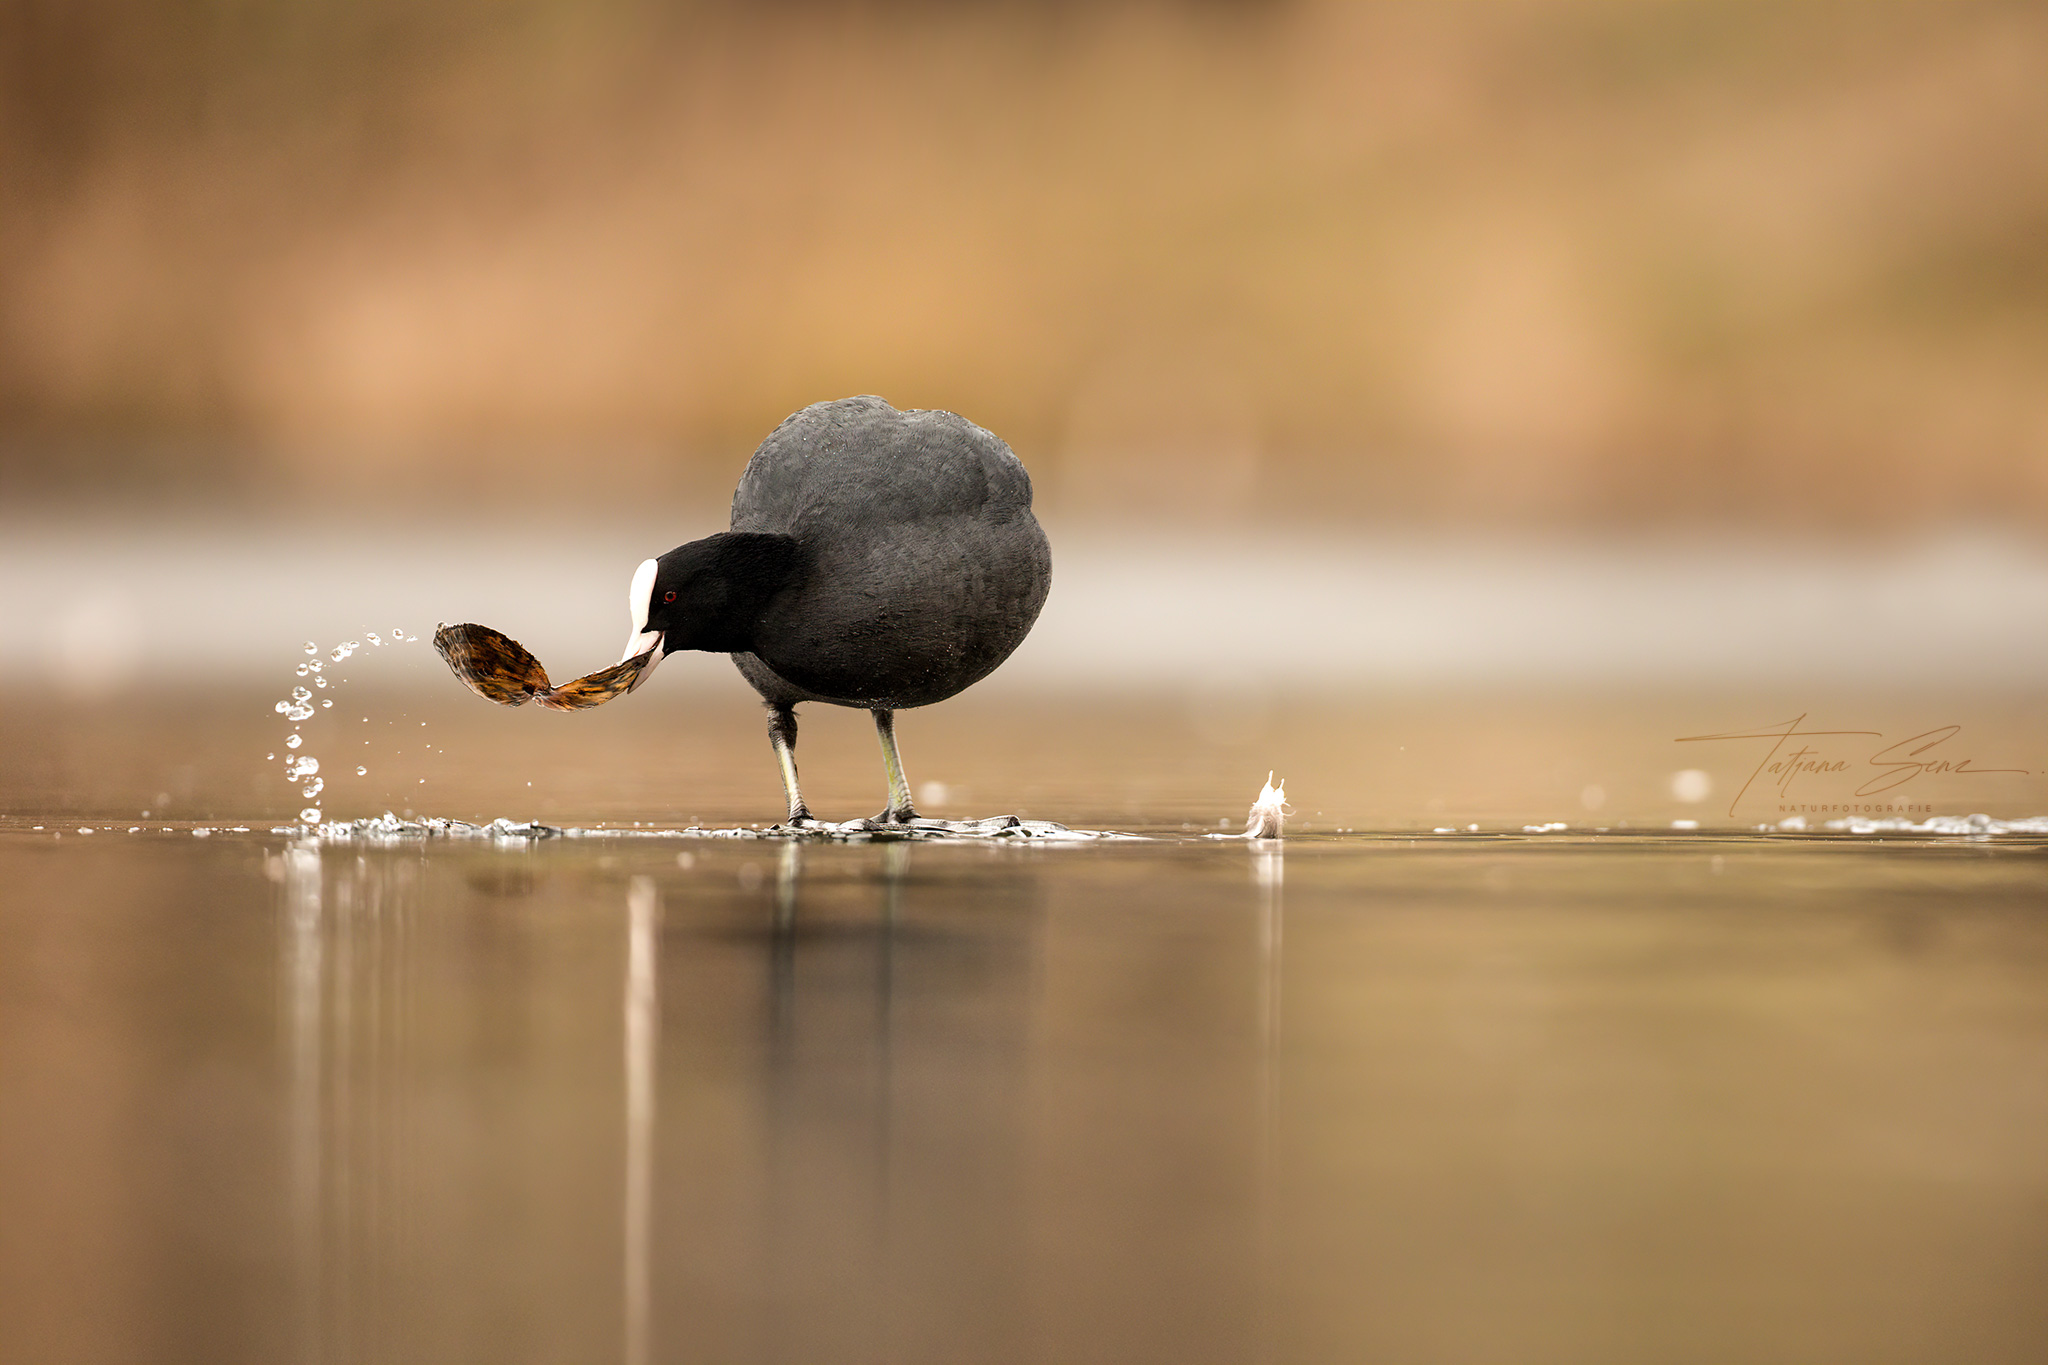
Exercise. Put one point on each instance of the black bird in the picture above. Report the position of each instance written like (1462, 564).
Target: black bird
(877, 559)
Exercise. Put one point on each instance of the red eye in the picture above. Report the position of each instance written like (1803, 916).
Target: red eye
(669, 596)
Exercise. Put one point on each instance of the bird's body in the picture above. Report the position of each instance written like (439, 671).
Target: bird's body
(922, 565)
(877, 559)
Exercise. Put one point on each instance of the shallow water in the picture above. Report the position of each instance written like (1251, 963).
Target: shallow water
(1639, 1095)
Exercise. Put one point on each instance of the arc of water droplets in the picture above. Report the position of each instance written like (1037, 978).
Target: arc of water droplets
(298, 708)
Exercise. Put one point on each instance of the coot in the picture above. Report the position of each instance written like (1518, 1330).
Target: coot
(877, 559)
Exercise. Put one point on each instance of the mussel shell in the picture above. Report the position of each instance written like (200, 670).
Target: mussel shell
(497, 667)
(492, 664)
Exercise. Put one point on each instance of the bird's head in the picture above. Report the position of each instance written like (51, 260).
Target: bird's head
(707, 594)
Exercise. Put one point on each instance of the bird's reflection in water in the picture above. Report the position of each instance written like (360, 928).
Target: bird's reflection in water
(782, 952)
(894, 860)
(993, 1125)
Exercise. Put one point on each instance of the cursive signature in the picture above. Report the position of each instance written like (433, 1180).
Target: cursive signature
(1897, 764)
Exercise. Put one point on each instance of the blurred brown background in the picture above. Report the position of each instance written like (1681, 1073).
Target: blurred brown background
(1570, 264)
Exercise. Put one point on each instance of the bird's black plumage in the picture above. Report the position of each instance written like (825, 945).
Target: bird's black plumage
(923, 565)
(877, 559)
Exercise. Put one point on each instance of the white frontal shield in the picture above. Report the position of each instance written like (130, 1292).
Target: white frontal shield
(639, 599)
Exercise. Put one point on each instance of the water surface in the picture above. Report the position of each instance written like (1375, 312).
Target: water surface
(1639, 1095)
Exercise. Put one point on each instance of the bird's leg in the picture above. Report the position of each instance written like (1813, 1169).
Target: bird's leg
(782, 734)
(900, 811)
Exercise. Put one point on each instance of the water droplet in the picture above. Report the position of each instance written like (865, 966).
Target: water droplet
(303, 766)
(310, 815)
(326, 704)
(298, 710)
(372, 638)
(293, 741)
(266, 758)
(312, 648)
(313, 788)
(304, 669)
(344, 649)
(319, 682)
(361, 771)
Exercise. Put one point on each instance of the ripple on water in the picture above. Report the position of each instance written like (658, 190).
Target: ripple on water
(388, 827)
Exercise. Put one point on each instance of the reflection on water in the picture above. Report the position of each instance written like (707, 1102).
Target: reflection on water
(642, 1028)
(1269, 873)
(1327, 1099)
(305, 986)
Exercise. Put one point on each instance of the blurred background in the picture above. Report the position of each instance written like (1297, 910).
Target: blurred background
(1578, 263)
(1674, 342)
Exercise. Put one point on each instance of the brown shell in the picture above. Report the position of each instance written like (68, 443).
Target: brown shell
(497, 667)
(491, 663)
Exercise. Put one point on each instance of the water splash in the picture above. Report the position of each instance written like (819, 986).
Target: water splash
(388, 827)
(301, 769)
(1267, 818)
